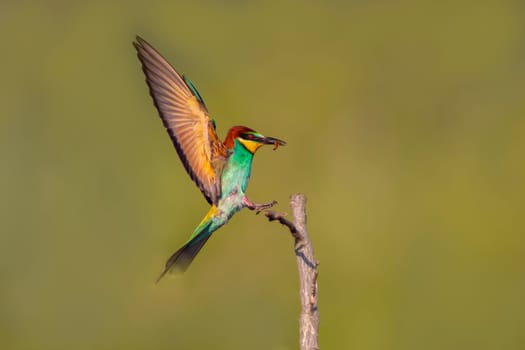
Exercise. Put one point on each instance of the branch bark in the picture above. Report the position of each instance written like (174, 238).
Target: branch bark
(307, 267)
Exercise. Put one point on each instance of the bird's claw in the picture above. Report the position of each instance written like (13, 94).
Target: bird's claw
(263, 206)
(258, 207)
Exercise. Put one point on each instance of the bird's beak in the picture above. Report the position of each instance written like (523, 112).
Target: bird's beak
(272, 141)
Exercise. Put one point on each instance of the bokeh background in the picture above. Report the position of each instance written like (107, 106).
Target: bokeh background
(405, 123)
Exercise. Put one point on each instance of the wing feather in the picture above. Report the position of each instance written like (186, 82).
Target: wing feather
(187, 121)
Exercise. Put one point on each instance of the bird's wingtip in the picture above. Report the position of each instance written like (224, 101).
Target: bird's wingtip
(139, 42)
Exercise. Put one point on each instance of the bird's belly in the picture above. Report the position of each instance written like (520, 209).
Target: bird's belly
(231, 203)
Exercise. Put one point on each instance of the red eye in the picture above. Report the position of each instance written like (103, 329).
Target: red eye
(250, 136)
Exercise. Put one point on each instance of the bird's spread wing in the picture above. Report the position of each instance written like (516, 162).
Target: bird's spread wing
(186, 118)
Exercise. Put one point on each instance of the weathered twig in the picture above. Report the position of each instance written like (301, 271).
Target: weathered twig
(307, 266)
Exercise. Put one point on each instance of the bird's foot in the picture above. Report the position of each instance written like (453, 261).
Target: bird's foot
(258, 207)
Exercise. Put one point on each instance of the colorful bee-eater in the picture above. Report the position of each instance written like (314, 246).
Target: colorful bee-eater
(220, 170)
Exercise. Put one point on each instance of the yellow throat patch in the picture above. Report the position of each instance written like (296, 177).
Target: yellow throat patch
(251, 146)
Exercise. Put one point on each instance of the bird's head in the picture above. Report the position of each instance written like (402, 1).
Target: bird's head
(250, 139)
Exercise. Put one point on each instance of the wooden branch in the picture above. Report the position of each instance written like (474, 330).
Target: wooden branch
(307, 266)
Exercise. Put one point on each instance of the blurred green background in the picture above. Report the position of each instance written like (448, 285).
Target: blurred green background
(405, 123)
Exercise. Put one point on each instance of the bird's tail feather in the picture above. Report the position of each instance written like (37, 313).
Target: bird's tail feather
(182, 258)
